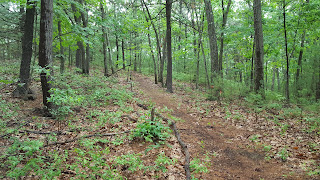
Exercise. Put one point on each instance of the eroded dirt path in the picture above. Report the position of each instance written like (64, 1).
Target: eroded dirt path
(207, 136)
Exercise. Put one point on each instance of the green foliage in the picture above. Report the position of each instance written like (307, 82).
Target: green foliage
(64, 100)
(162, 162)
(196, 166)
(284, 154)
(129, 161)
(152, 131)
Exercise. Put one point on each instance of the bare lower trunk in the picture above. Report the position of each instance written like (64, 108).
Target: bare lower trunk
(24, 77)
(169, 50)
(45, 50)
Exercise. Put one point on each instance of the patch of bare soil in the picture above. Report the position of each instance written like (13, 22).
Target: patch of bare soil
(227, 148)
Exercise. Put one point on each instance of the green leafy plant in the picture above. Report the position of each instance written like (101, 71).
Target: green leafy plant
(284, 154)
(64, 100)
(162, 162)
(196, 166)
(131, 162)
(152, 131)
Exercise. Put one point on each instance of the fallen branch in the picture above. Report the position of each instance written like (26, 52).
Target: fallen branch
(184, 147)
(129, 117)
(87, 136)
(41, 132)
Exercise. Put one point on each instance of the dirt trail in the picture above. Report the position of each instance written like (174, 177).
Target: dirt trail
(206, 135)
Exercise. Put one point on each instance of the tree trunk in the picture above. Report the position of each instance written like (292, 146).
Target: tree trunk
(318, 85)
(299, 68)
(157, 39)
(273, 79)
(153, 58)
(224, 22)
(258, 65)
(123, 58)
(61, 48)
(45, 49)
(109, 52)
(104, 45)
(169, 53)
(212, 40)
(163, 59)
(117, 47)
(86, 55)
(24, 78)
(287, 95)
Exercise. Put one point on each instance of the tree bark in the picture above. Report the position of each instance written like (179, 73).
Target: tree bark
(123, 58)
(224, 22)
(318, 85)
(61, 48)
(287, 95)
(163, 59)
(109, 52)
(299, 68)
(45, 50)
(104, 45)
(86, 54)
(24, 77)
(169, 50)
(117, 47)
(258, 65)
(212, 40)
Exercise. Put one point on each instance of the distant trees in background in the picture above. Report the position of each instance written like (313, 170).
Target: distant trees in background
(266, 45)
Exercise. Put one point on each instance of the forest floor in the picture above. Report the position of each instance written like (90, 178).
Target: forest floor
(99, 139)
(233, 151)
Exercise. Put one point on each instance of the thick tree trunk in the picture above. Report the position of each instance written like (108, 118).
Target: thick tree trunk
(24, 77)
(45, 49)
(169, 50)
(212, 40)
(117, 47)
(258, 65)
